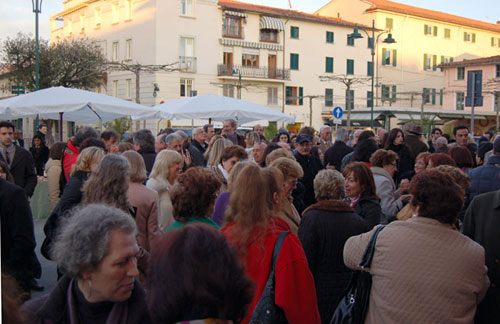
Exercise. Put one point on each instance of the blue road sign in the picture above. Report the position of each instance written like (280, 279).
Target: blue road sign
(338, 112)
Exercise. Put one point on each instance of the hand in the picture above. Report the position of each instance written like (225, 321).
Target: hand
(404, 186)
(405, 198)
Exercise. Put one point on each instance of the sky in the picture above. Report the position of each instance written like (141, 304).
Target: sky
(17, 15)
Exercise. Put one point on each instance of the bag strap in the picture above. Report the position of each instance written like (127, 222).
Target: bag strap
(277, 248)
(366, 260)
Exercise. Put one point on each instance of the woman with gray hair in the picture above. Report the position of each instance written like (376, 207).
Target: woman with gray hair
(323, 230)
(96, 252)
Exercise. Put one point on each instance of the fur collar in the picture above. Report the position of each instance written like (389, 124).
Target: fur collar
(330, 205)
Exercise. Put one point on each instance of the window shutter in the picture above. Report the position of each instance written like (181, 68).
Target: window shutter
(425, 61)
(288, 95)
(473, 37)
(329, 65)
(451, 59)
(369, 69)
(394, 55)
(425, 29)
(435, 31)
(433, 96)
(394, 92)
(465, 36)
(442, 59)
(384, 51)
(441, 97)
(301, 93)
(434, 62)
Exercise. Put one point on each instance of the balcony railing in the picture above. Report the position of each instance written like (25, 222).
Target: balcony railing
(251, 72)
(187, 64)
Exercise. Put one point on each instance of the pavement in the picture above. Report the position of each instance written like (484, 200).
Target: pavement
(49, 268)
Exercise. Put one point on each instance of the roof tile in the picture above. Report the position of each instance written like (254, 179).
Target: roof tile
(480, 61)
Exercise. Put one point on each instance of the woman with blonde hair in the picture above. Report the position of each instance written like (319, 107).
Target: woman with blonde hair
(167, 167)
(215, 152)
(210, 146)
(253, 227)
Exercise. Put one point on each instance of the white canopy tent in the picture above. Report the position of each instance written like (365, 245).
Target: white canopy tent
(217, 108)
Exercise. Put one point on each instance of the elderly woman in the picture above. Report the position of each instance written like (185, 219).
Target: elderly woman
(407, 252)
(215, 151)
(361, 191)
(193, 198)
(323, 231)
(96, 253)
(230, 156)
(166, 169)
(291, 171)
(221, 296)
(253, 227)
(144, 201)
(383, 166)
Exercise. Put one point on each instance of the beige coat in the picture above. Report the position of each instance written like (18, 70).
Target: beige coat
(165, 208)
(145, 203)
(290, 215)
(423, 272)
(53, 172)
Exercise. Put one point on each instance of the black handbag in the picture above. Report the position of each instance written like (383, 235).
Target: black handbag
(353, 307)
(266, 311)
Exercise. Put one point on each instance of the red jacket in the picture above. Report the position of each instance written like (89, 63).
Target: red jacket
(70, 156)
(295, 289)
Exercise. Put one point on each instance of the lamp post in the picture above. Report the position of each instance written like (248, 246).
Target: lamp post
(388, 40)
(239, 81)
(37, 9)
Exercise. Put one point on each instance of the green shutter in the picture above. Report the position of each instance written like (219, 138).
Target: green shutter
(435, 31)
(394, 56)
(294, 61)
(441, 97)
(425, 61)
(384, 53)
(329, 65)
(301, 93)
(288, 95)
(434, 62)
(425, 29)
(329, 37)
(350, 66)
(433, 96)
(451, 59)
(369, 69)
(465, 36)
(394, 92)
(328, 97)
(442, 59)
(473, 37)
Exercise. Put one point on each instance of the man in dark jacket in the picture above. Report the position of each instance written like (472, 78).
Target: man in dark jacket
(18, 159)
(18, 237)
(144, 143)
(413, 142)
(198, 147)
(310, 164)
(485, 178)
(481, 223)
(339, 149)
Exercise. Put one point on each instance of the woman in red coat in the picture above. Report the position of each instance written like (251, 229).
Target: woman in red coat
(253, 228)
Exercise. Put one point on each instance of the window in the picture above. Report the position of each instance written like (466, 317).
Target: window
(386, 57)
(350, 40)
(369, 100)
(349, 99)
(294, 61)
(82, 23)
(369, 69)
(186, 87)
(128, 9)
(350, 66)
(115, 88)
(128, 49)
(426, 95)
(294, 96)
(269, 35)
(497, 74)
(272, 95)
(70, 27)
(328, 97)
(232, 26)
(128, 89)
(388, 93)
(97, 17)
(459, 101)
(493, 41)
(388, 23)
(227, 90)
(469, 37)
(430, 62)
(186, 47)
(460, 73)
(115, 13)
(447, 33)
(294, 32)
(430, 30)
(115, 52)
(187, 7)
(329, 65)
(329, 37)
(446, 59)
(250, 60)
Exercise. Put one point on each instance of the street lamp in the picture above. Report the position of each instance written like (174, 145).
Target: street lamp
(237, 71)
(388, 40)
(37, 9)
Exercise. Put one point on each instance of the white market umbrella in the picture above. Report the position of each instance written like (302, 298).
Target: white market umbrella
(217, 108)
(76, 105)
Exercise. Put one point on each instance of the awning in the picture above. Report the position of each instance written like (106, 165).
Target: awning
(415, 116)
(235, 13)
(271, 23)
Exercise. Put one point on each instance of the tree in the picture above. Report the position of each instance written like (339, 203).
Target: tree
(76, 63)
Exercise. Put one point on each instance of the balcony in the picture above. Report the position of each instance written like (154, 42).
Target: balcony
(251, 72)
(187, 64)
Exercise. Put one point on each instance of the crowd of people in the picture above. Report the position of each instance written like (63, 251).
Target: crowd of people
(179, 228)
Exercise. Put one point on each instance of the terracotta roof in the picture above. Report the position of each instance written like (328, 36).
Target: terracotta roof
(431, 14)
(480, 61)
(292, 14)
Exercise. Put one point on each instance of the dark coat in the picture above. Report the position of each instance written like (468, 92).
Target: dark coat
(415, 145)
(23, 170)
(369, 209)
(311, 165)
(149, 159)
(196, 151)
(323, 231)
(40, 157)
(18, 237)
(53, 308)
(482, 224)
(406, 160)
(335, 153)
(485, 178)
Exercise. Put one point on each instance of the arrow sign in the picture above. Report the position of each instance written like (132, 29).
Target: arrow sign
(338, 112)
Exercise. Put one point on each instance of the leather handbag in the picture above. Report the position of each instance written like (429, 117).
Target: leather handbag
(266, 311)
(353, 307)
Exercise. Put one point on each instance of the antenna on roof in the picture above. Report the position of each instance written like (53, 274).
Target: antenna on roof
(290, 4)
